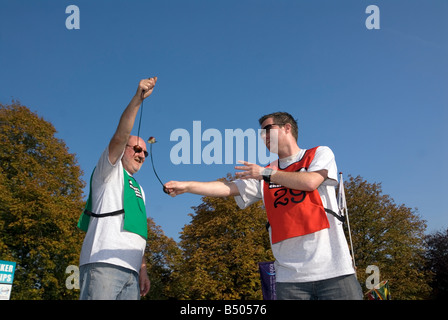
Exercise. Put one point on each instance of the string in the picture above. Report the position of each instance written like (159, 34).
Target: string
(150, 147)
(140, 121)
(154, 169)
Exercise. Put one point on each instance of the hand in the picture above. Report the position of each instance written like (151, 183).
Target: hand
(145, 284)
(251, 171)
(175, 188)
(145, 87)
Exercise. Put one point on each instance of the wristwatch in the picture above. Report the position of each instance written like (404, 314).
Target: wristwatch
(266, 173)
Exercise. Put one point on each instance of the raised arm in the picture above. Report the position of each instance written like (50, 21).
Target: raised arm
(121, 135)
(210, 189)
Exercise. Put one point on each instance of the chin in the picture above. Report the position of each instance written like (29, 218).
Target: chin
(137, 169)
(132, 169)
(274, 149)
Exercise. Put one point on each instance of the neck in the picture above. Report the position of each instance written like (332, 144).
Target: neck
(288, 151)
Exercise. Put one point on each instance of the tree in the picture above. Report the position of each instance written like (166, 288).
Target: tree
(221, 249)
(437, 263)
(40, 202)
(389, 236)
(162, 257)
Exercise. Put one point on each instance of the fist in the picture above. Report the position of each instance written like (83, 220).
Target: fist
(174, 188)
(145, 87)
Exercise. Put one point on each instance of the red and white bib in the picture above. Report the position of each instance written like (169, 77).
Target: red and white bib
(292, 213)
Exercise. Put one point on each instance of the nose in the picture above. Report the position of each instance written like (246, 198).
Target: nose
(264, 133)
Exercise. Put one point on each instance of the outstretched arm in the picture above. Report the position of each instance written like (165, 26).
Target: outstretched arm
(210, 189)
(121, 136)
(304, 181)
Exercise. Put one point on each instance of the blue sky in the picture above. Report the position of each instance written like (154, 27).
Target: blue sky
(378, 98)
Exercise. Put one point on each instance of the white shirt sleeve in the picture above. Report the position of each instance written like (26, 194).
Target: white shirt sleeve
(250, 192)
(104, 169)
(324, 159)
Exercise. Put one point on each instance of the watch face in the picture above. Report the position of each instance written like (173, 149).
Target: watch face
(266, 173)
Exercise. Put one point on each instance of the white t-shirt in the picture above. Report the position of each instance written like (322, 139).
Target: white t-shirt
(317, 256)
(105, 240)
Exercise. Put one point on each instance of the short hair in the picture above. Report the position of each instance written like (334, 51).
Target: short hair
(282, 118)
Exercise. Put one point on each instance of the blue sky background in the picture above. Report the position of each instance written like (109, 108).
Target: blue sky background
(378, 98)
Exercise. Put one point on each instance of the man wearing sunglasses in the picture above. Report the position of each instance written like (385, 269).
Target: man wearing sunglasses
(298, 190)
(112, 263)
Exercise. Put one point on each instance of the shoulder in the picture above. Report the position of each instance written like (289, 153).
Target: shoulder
(324, 159)
(324, 151)
(105, 170)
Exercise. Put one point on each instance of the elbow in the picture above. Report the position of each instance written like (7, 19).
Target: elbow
(309, 187)
(312, 184)
(314, 180)
(119, 139)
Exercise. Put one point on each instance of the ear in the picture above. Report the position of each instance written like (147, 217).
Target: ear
(288, 127)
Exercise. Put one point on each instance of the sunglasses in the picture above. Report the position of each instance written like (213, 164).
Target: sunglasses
(138, 149)
(268, 128)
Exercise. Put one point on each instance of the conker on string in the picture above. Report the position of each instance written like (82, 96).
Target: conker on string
(152, 140)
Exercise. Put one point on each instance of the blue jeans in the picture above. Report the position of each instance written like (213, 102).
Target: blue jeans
(340, 288)
(104, 281)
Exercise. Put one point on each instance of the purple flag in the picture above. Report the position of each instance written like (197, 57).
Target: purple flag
(267, 275)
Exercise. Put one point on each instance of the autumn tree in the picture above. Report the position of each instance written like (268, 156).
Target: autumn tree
(40, 202)
(221, 249)
(162, 257)
(437, 263)
(387, 235)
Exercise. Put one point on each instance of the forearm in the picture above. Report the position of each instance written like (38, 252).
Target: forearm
(209, 189)
(144, 281)
(303, 181)
(127, 120)
(121, 135)
(212, 188)
(143, 265)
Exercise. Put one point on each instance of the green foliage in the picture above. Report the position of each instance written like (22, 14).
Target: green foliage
(221, 250)
(389, 236)
(40, 201)
(437, 263)
(162, 257)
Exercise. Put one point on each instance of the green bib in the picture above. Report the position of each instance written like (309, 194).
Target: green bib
(134, 208)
